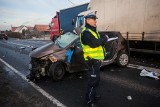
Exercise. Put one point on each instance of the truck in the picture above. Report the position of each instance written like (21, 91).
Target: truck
(62, 22)
(138, 21)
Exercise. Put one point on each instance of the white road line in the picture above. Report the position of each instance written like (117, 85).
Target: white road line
(44, 93)
(19, 44)
(143, 67)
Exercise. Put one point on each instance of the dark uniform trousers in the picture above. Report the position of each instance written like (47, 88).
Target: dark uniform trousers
(93, 79)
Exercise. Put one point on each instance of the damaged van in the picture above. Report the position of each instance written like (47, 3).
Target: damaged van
(50, 59)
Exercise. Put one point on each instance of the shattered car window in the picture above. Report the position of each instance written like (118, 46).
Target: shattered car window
(66, 39)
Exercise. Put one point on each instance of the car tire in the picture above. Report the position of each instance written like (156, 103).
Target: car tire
(123, 59)
(57, 71)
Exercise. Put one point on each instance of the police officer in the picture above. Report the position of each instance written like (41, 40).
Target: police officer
(94, 52)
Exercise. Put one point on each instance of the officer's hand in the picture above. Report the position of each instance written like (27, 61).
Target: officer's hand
(105, 38)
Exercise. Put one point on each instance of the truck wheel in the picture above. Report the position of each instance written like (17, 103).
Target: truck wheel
(57, 71)
(123, 59)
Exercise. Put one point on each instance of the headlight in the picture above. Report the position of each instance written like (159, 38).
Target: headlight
(52, 58)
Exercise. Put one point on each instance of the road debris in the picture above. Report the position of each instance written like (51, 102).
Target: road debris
(80, 77)
(22, 47)
(151, 74)
(112, 70)
(129, 97)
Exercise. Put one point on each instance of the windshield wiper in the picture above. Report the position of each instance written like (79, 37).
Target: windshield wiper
(58, 43)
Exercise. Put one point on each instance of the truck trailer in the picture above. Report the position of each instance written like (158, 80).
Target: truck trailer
(62, 22)
(137, 20)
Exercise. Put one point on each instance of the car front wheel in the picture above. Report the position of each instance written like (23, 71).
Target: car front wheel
(123, 59)
(57, 71)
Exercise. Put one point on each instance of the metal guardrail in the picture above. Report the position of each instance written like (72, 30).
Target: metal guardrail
(136, 36)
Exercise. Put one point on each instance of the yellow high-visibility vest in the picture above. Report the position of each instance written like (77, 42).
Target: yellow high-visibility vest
(95, 53)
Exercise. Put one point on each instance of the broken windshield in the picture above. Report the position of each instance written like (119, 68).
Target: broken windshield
(65, 39)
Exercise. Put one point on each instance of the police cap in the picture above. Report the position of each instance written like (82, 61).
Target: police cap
(91, 15)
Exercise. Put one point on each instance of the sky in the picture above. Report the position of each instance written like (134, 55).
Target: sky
(30, 12)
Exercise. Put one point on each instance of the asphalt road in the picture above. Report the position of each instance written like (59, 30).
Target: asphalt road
(16, 92)
(116, 82)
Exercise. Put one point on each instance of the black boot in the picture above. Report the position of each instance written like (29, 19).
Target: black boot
(91, 105)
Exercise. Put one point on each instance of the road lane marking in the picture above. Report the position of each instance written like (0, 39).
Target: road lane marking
(131, 84)
(43, 92)
(29, 46)
(143, 67)
(19, 44)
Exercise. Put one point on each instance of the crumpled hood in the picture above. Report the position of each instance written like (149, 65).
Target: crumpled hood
(44, 50)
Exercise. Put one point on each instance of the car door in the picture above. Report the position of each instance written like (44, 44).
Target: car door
(77, 61)
(111, 45)
(110, 48)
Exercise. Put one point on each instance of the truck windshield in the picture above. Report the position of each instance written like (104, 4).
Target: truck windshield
(80, 21)
(66, 39)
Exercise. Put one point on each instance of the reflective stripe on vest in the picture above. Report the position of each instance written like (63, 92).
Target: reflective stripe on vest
(96, 53)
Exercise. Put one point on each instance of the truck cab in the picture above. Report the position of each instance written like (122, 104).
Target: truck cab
(55, 27)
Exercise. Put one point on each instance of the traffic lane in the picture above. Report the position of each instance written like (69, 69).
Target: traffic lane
(116, 84)
(127, 82)
(16, 58)
(15, 48)
(15, 92)
(28, 41)
(80, 85)
(131, 75)
(117, 93)
(26, 45)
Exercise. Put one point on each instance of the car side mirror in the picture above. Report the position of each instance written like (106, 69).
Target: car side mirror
(73, 22)
(50, 25)
(72, 47)
(61, 31)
